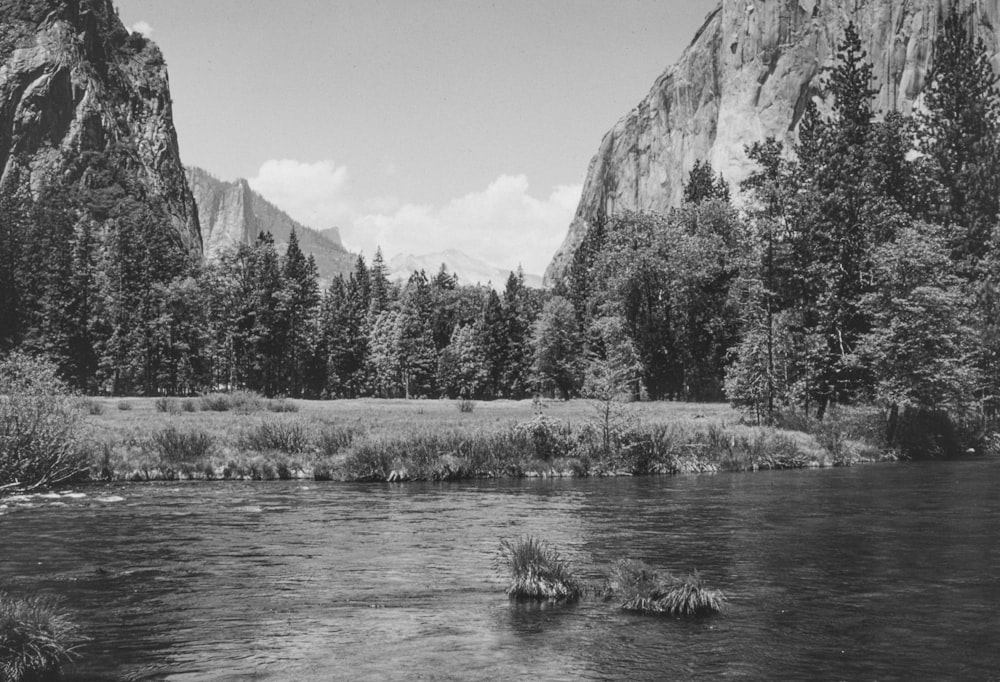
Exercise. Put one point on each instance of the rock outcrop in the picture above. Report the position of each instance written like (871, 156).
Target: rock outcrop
(748, 75)
(73, 80)
(231, 213)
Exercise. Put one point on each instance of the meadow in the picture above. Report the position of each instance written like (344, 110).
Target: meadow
(244, 436)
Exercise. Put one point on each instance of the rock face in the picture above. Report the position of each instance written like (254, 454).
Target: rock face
(73, 80)
(748, 75)
(231, 213)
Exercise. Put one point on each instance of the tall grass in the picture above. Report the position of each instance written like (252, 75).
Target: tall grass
(641, 588)
(289, 437)
(389, 441)
(535, 571)
(37, 638)
(182, 447)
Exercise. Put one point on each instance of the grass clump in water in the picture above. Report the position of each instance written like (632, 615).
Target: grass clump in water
(644, 589)
(536, 571)
(37, 638)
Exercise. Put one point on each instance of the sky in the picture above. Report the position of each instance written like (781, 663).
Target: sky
(414, 125)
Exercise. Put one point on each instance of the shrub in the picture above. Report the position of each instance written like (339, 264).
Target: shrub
(290, 437)
(39, 423)
(188, 405)
(646, 590)
(334, 439)
(281, 405)
(93, 407)
(240, 402)
(547, 437)
(168, 405)
(180, 447)
(246, 402)
(124, 405)
(465, 405)
(926, 434)
(536, 571)
(216, 402)
(37, 638)
(368, 461)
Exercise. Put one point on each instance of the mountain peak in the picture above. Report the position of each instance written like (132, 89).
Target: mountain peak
(233, 213)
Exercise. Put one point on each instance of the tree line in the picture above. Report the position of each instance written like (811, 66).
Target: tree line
(862, 268)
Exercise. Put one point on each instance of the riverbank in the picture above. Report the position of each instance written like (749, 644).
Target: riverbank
(145, 439)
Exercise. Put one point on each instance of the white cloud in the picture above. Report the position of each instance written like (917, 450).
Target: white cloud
(503, 225)
(142, 27)
(315, 194)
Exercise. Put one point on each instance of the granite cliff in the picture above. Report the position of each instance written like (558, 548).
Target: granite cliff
(748, 75)
(232, 213)
(73, 80)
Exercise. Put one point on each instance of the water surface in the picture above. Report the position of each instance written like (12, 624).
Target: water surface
(887, 572)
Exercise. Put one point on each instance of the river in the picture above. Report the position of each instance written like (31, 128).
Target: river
(878, 572)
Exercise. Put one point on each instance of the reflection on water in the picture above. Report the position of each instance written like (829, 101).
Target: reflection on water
(876, 572)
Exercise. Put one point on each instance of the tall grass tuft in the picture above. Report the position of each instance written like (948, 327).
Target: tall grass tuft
(290, 437)
(466, 406)
(536, 571)
(333, 439)
(182, 447)
(644, 589)
(37, 638)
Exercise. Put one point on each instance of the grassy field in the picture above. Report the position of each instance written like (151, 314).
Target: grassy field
(389, 440)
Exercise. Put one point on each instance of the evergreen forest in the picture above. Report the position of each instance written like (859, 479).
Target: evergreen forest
(861, 267)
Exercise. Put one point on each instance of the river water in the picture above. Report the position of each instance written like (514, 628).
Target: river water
(879, 572)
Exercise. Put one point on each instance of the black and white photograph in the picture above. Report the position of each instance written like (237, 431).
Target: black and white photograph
(499, 340)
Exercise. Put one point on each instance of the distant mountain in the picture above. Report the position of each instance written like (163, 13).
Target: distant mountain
(231, 213)
(470, 270)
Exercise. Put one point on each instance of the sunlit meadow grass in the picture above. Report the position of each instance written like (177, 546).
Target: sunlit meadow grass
(247, 437)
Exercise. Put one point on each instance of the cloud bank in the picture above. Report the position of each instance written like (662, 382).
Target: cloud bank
(503, 224)
(142, 27)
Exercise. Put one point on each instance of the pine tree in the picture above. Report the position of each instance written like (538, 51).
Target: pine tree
(556, 364)
(494, 338)
(958, 132)
(702, 185)
(299, 302)
(12, 228)
(518, 318)
(379, 288)
(839, 219)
